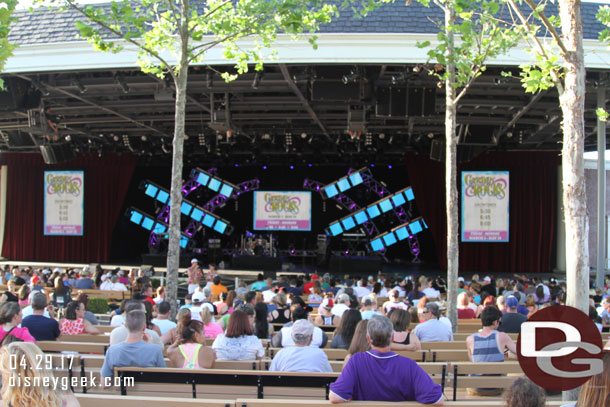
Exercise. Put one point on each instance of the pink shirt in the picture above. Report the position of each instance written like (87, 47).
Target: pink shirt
(212, 330)
(21, 333)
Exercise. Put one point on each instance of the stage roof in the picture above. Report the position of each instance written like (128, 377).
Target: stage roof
(361, 97)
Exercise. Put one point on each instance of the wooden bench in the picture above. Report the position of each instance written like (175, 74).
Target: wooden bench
(461, 370)
(102, 338)
(79, 347)
(445, 345)
(105, 328)
(103, 400)
(217, 377)
(111, 296)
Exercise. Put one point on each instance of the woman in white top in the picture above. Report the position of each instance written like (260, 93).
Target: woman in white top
(238, 343)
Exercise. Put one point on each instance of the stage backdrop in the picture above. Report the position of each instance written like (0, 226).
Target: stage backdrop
(279, 210)
(63, 203)
(533, 210)
(485, 210)
(108, 178)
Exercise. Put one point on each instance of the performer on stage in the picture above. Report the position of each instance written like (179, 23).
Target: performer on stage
(194, 275)
(213, 272)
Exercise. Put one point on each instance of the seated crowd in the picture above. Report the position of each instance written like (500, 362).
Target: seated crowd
(240, 327)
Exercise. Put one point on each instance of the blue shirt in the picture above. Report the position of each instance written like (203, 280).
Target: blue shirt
(433, 330)
(140, 354)
(41, 328)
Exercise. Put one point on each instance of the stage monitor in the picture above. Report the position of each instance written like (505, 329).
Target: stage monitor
(282, 210)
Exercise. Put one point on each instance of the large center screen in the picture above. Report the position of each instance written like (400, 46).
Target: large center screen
(282, 210)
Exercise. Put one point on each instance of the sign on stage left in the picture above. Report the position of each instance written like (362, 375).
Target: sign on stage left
(63, 203)
(485, 209)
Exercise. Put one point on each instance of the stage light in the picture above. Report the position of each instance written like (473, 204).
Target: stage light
(389, 239)
(348, 223)
(372, 165)
(292, 167)
(361, 217)
(115, 138)
(377, 245)
(303, 135)
(68, 138)
(381, 136)
(309, 165)
(385, 205)
(236, 165)
(389, 166)
(202, 139)
(264, 167)
(143, 138)
(186, 208)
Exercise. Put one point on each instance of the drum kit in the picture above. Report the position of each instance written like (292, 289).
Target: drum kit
(257, 245)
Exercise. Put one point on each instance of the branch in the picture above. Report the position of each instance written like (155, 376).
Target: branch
(212, 44)
(538, 45)
(119, 34)
(549, 27)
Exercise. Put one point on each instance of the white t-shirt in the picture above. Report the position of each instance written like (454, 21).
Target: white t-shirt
(245, 347)
(117, 320)
(316, 340)
(118, 287)
(164, 324)
(339, 309)
(268, 295)
(120, 334)
(301, 359)
(106, 286)
(431, 292)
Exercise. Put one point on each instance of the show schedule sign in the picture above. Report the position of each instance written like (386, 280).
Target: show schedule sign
(485, 206)
(282, 210)
(63, 203)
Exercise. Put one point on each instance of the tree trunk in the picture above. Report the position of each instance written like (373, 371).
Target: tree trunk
(173, 250)
(451, 178)
(572, 103)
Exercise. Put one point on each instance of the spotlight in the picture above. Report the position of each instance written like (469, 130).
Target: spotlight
(266, 137)
(126, 140)
(372, 165)
(389, 166)
(288, 139)
(439, 85)
(68, 138)
(236, 165)
(509, 134)
(430, 135)
(202, 140)
(368, 140)
(116, 138)
(292, 167)
(303, 135)
(310, 165)
(381, 136)
(144, 138)
(417, 69)
(353, 76)
(257, 80)
(264, 167)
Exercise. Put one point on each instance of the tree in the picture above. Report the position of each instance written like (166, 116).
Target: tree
(480, 36)
(7, 7)
(568, 77)
(188, 29)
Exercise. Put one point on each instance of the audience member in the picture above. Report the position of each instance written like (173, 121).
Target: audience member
(121, 333)
(23, 295)
(430, 291)
(116, 285)
(431, 329)
(84, 282)
(188, 352)
(119, 318)
(262, 328)
(89, 316)
(345, 331)
(596, 391)
(259, 284)
(316, 293)
(489, 345)
(342, 305)
(325, 316)
(511, 321)
(301, 357)
(171, 336)
(194, 274)
(281, 315)
(61, 293)
(74, 322)
(393, 302)
(211, 329)
(284, 337)
(369, 307)
(162, 320)
(147, 294)
(10, 318)
(40, 327)
(403, 338)
(359, 341)
(217, 287)
(530, 304)
(525, 393)
(488, 286)
(135, 350)
(160, 297)
(414, 293)
(238, 343)
(225, 306)
(382, 375)
(29, 368)
(463, 306)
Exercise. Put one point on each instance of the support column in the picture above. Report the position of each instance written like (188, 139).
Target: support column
(601, 188)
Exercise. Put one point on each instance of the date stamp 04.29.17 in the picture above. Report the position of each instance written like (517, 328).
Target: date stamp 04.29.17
(58, 362)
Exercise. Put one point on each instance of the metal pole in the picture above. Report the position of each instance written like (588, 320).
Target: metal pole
(601, 189)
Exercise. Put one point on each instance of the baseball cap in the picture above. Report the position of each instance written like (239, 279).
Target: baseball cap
(46, 271)
(371, 278)
(553, 280)
(198, 297)
(35, 280)
(57, 270)
(461, 279)
(327, 303)
(487, 278)
(194, 261)
(512, 301)
(302, 328)
(315, 277)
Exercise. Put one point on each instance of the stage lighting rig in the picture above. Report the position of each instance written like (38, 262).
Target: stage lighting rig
(205, 179)
(343, 184)
(153, 225)
(397, 234)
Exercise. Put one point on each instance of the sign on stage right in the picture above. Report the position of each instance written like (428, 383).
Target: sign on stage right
(282, 210)
(485, 209)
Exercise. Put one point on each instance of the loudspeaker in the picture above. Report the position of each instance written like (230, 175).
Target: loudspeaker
(56, 153)
(437, 150)
(14, 95)
(404, 102)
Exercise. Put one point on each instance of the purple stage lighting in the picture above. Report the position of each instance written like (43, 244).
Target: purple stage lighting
(390, 166)
(309, 165)
(264, 167)
(292, 167)
(372, 165)
(237, 165)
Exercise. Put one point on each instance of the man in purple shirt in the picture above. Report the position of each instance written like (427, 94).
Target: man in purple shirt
(382, 375)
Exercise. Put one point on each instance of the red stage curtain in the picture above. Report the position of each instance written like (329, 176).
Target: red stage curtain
(533, 208)
(106, 182)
